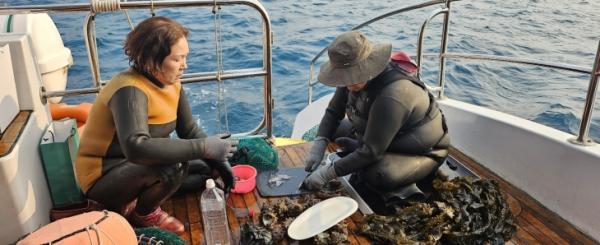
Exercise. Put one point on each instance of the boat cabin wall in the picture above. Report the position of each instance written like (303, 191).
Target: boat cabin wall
(25, 201)
(9, 105)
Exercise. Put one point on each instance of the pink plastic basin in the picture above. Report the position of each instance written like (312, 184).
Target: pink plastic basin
(245, 178)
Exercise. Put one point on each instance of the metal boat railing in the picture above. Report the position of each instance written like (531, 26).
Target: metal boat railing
(90, 40)
(583, 134)
(312, 82)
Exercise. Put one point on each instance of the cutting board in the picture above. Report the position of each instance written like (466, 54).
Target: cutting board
(290, 187)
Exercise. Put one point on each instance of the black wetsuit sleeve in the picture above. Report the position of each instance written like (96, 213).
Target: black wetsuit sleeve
(186, 126)
(335, 112)
(129, 107)
(386, 117)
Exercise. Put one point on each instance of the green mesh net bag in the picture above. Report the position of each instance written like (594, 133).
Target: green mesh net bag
(156, 236)
(255, 150)
(311, 134)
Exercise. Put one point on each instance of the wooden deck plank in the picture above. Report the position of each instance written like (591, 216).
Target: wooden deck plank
(295, 159)
(167, 206)
(523, 237)
(194, 217)
(354, 237)
(284, 158)
(252, 206)
(234, 225)
(535, 224)
(180, 213)
(538, 230)
(193, 208)
(356, 218)
(12, 132)
(238, 205)
(196, 234)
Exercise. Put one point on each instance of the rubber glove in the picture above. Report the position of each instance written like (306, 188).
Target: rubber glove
(317, 179)
(348, 144)
(316, 153)
(225, 172)
(219, 147)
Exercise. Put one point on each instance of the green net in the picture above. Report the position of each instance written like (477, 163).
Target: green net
(154, 235)
(311, 134)
(255, 150)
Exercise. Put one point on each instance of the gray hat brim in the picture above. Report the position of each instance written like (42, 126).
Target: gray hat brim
(363, 71)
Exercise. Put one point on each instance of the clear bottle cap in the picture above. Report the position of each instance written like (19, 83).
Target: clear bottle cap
(210, 183)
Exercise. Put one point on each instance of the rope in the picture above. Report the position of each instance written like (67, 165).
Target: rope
(87, 231)
(152, 8)
(95, 227)
(109, 6)
(105, 5)
(81, 230)
(128, 19)
(222, 107)
(150, 240)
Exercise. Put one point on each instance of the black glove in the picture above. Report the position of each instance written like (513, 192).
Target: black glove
(348, 144)
(219, 147)
(316, 153)
(317, 179)
(225, 173)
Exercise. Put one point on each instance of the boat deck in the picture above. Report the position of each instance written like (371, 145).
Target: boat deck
(535, 224)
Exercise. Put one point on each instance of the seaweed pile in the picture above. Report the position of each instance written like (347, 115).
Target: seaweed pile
(276, 217)
(460, 211)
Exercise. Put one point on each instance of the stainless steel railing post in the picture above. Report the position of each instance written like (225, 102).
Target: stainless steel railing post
(443, 50)
(422, 36)
(89, 29)
(590, 99)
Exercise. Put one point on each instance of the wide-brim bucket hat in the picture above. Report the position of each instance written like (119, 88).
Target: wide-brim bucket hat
(353, 59)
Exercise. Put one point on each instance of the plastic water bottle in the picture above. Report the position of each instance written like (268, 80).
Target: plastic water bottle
(214, 216)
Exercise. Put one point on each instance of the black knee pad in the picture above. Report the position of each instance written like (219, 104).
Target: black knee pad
(199, 166)
(172, 176)
(397, 170)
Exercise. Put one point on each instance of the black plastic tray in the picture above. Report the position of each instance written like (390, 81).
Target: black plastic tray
(289, 187)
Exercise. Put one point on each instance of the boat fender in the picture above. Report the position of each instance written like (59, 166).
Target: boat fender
(79, 112)
(97, 227)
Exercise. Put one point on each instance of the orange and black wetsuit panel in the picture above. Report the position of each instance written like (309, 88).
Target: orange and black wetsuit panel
(127, 152)
(131, 121)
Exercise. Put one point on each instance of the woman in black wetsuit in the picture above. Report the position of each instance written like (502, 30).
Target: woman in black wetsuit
(395, 133)
(127, 159)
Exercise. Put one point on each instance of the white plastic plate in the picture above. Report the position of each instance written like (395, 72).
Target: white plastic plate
(321, 217)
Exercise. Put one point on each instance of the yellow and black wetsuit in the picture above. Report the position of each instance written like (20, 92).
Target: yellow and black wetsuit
(126, 151)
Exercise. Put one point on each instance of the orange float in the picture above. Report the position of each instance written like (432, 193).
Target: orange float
(79, 112)
(93, 228)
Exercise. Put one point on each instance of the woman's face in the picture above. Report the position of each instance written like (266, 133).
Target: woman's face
(174, 64)
(356, 87)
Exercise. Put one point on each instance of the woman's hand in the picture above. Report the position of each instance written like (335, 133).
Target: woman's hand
(225, 172)
(317, 179)
(219, 147)
(348, 144)
(316, 153)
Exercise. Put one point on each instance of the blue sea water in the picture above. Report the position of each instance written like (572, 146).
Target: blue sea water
(549, 30)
